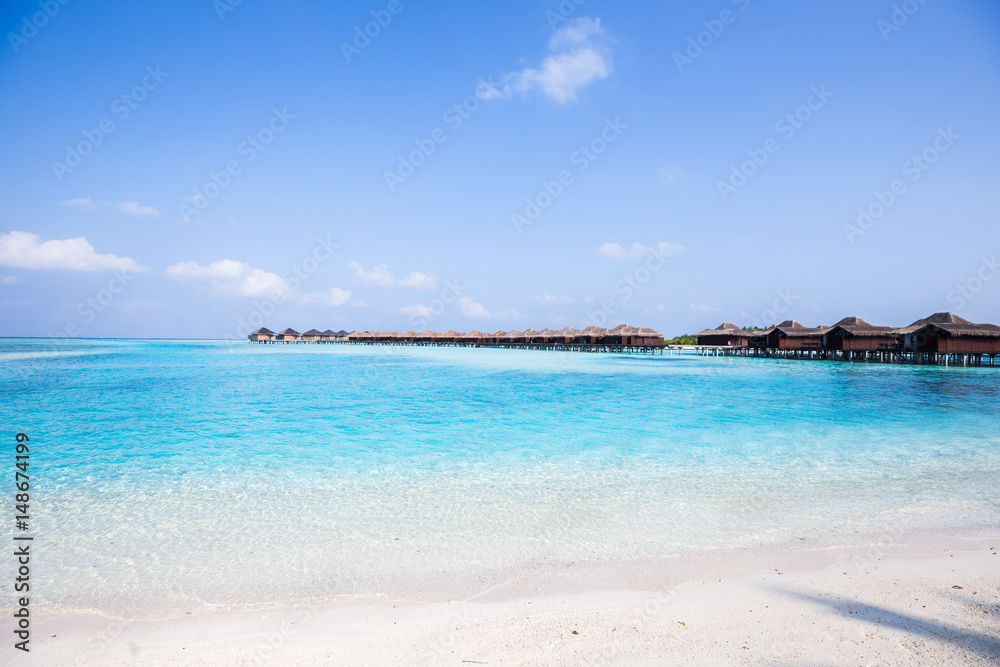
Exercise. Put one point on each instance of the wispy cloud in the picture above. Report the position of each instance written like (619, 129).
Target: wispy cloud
(127, 207)
(333, 297)
(81, 202)
(577, 57)
(27, 251)
(467, 307)
(550, 298)
(669, 176)
(136, 209)
(703, 309)
(638, 250)
(232, 278)
(9, 280)
(380, 276)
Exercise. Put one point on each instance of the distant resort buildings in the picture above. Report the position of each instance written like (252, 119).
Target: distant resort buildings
(941, 338)
(592, 338)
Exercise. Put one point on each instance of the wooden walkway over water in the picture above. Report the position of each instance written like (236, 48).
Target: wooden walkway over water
(867, 356)
(815, 354)
(556, 347)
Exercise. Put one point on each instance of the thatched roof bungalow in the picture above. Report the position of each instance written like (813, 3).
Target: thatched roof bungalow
(853, 333)
(790, 335)
(566, 335)
(475, 336)
(288, 335)
(726, 334)
(947, 332)
(648, 336)
(313, 336)
(261, 335)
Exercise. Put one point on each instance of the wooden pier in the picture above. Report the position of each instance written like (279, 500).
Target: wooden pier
(978, 359)
(557, 347)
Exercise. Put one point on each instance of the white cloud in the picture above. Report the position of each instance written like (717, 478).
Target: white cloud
(380, 276)
(334, 297)
(577, 57)
(550, 298)
(231, 278)
(27, 251)
(701, 308)
(469, 308)
(137, 209)
(81, 202)
(638, 250)
(478, 311)
(9, 280)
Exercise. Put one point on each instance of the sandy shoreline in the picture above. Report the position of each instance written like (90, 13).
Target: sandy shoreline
(919, 599)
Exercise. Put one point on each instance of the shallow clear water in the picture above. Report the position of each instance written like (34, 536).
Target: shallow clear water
(173, 474)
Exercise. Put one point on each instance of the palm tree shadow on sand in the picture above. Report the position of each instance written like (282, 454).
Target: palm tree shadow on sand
(975, 643)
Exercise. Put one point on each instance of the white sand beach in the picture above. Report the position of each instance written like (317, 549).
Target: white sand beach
(904, 600)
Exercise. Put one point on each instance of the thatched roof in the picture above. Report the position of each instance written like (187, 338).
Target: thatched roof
(515, 334)
(950, 319)
(262, 331)
(313, 332)
(855, 326)
(724, 329)
(547, 332)
(472, 335)
(500, 334)
(289, 332)
(593, 330)
(568, 331)
(958, 329)
(792, 329)
(649, 333)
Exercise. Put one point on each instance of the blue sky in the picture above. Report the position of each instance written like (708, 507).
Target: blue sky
(495, 165)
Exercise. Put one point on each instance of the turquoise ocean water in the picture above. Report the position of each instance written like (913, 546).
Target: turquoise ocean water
(168, 475)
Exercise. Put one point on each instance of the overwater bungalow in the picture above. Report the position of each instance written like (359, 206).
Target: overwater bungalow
(790, 335)
(853, 333)
(547, 335)
(727, 334)
(947, 333)
(261, 335)
(591, 335)
(647, 336)
(312, 336)
(473, 337)
(289, 335)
